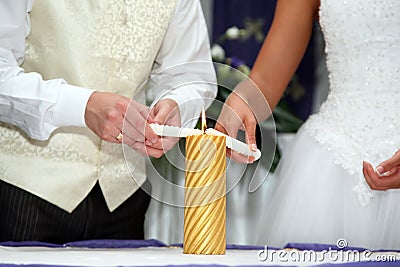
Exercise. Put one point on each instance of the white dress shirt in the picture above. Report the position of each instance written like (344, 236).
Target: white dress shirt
(40, 106)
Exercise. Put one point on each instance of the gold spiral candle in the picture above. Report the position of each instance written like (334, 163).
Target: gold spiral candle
(205, 203)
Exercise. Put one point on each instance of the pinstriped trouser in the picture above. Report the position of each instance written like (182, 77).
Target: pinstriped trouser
(26, 217)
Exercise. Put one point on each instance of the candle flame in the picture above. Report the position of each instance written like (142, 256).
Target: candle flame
(203, 121)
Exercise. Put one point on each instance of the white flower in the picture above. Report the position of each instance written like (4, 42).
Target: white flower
(217, 52)
(233, 33)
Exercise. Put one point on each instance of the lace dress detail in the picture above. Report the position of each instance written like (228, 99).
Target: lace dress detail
(359, 120)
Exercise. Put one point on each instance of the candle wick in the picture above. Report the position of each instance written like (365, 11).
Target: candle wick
(203, 121)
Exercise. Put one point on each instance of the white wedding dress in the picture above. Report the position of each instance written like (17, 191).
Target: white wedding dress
(319, 194)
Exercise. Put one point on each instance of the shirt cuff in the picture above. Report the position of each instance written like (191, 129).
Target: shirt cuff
(71, 106)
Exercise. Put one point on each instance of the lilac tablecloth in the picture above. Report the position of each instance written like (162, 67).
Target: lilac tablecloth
(156, 253)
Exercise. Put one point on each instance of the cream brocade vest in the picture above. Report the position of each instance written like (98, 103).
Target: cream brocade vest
(99, 44)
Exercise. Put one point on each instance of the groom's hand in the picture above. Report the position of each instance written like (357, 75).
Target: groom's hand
(109, 115)
(165, 112)
(387, 174)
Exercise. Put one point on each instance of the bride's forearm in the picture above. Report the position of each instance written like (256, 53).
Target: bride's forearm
(279, 56)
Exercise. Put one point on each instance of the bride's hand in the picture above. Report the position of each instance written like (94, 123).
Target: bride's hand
(237, 115)
(387, 174)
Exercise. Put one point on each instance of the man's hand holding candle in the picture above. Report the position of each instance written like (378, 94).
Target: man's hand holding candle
(165, 112)
(112, 116)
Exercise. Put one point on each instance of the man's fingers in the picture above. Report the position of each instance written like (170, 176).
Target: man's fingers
(164, 143)
(164, 111)
(127, 140)
(144, 150)
(168, 143)
(132, 132)
(136, 126)
(150, 135)
(162, 115)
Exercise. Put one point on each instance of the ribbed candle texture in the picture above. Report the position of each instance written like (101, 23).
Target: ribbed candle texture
(205, 189)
